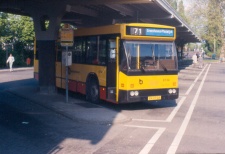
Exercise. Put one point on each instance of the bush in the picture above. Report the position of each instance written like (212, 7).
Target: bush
(213, 56)
(2, 59)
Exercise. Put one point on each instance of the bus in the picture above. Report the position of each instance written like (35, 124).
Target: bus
(121, 63)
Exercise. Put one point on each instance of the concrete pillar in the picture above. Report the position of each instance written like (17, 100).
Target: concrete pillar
(46, 38)
(46, 65)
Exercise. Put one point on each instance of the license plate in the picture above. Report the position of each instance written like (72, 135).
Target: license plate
(153, 98)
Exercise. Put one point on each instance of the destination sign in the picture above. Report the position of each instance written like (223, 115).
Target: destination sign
(148, 31)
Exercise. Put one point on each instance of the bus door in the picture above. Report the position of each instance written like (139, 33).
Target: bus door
(111, 71)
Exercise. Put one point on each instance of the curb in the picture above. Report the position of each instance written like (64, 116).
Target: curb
(17, 69)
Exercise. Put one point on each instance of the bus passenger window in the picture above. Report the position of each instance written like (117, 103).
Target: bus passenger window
(102, 52)
(78, 52)
(91, 55)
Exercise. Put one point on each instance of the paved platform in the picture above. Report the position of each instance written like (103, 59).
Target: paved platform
(76, 109)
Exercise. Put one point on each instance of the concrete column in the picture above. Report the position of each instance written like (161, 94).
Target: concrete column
(46, 39)
(46, 65)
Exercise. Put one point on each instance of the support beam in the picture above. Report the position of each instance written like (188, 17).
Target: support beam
(122, 9)
(102, 2)
(84, 11)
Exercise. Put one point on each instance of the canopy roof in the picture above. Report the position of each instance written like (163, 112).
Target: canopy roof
(89, 13)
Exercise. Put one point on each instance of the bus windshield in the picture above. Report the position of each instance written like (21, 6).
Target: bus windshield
(149, 56)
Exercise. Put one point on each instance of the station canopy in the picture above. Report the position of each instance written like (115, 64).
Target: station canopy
(89, 13)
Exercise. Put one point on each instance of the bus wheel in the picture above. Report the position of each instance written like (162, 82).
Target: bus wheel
(93, 92)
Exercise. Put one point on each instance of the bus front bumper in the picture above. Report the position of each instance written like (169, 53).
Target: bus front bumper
(148, 95)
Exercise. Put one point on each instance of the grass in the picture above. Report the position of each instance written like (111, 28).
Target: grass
(211, 60)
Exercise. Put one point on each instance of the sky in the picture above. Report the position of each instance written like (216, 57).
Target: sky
(186, 2)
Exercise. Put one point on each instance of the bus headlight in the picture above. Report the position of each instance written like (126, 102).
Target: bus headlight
(170, 91)
(136, 93)
(132, 93)
(174, 91)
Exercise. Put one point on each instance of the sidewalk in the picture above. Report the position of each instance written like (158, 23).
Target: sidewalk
(76, 109)
(16, 69)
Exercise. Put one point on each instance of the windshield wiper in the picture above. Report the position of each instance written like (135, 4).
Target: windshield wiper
(163, 66)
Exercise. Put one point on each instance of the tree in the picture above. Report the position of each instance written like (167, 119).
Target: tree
(181, 10)
(4, 27)
(173, 3)
(197, 16)
(22, 29)
(215, 25)
(18, 32)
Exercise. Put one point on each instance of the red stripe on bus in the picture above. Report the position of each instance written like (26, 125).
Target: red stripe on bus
(102, 93)
(81, 88)
(72, 85)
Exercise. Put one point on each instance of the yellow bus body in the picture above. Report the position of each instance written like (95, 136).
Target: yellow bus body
(79, 73)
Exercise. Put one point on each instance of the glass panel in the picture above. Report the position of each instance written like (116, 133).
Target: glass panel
(147, 56)
(92, 50)
(102, 51)
(78, 50)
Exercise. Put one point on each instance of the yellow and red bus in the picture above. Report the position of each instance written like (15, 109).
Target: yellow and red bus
(121, 63)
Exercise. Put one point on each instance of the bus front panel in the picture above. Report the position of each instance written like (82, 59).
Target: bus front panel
(147, 87)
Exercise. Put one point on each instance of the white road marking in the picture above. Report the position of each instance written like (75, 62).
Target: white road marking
(192, 85)
(173, 147)
(170, 117)
(147, 148)
(175, 110)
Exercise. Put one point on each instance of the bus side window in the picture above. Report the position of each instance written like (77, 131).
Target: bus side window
(78, 54)
(102, 51)
(91, 55)
(112, 49)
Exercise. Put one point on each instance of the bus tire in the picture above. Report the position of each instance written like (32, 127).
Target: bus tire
(93, 91)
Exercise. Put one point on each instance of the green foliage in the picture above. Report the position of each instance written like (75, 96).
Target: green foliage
(4, 28)
(18, 31)
(2, 58)
(215, 22)
(173, 3)
(178, 5)
(207, 20)
(197, 16)
(181, 10)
